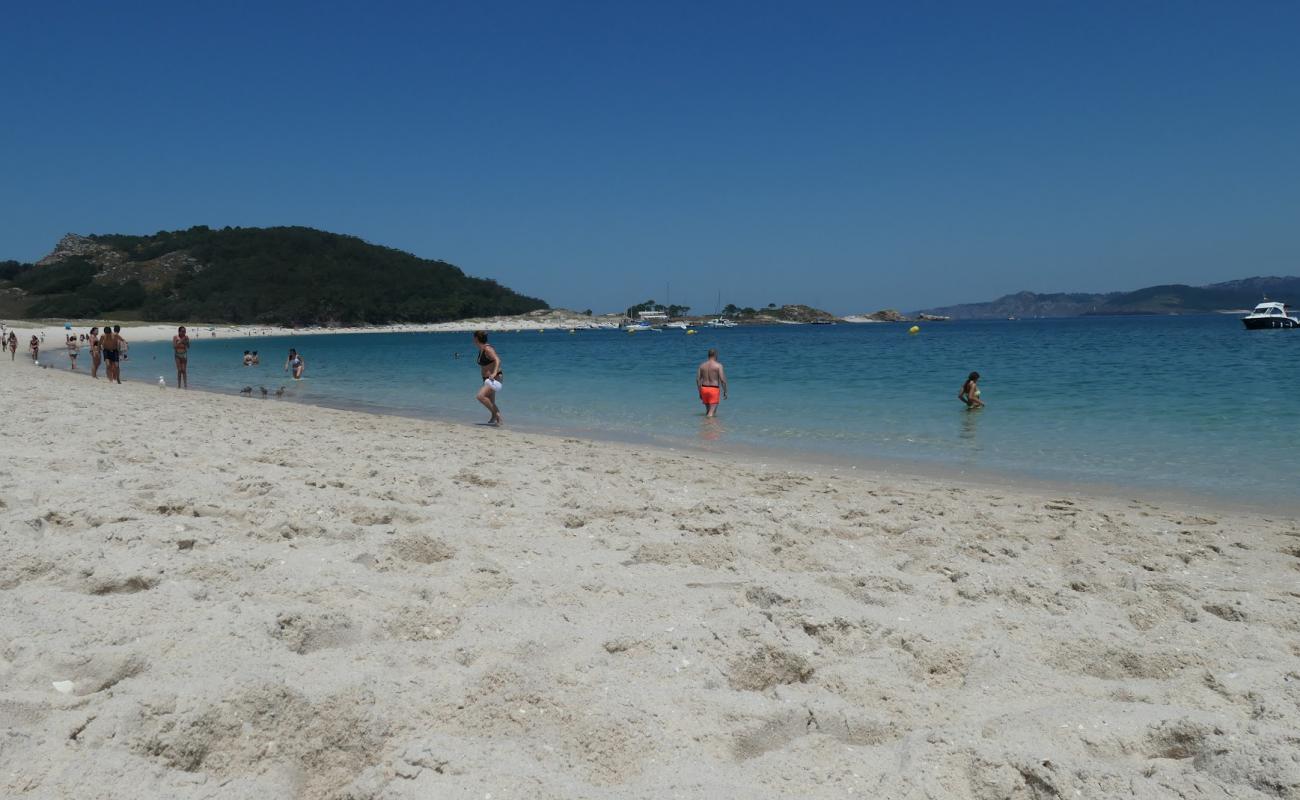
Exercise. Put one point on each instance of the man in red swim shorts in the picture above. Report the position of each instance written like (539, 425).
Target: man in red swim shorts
(711, 380)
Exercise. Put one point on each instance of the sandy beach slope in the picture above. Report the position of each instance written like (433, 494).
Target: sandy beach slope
(219, 597)
(54, 331)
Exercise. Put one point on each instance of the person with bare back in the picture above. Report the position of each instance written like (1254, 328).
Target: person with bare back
(711, 381)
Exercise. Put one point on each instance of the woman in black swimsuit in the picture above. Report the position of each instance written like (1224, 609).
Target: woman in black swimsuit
(489, 364)
(96, 355)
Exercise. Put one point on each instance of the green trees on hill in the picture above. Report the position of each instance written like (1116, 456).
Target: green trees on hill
(291, 276)
(10, 270)
(650, 305)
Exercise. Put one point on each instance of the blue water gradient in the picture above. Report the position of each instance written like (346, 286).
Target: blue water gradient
(1189, 403)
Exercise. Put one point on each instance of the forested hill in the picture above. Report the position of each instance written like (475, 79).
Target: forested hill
(1170, 299)
(292, 276)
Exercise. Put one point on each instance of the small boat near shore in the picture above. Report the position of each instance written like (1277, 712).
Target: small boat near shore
(1270, 315)
(721, 322)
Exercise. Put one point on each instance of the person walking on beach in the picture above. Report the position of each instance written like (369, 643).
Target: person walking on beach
(36, 348)
(970, 392)
(96, 355)
(73, 350)
(121, 350)
(489, 363)
(181, 346)
(108, 345)
(13, 345)
(711, 381)
(296, 363)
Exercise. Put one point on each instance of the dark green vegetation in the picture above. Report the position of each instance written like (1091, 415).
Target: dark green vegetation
(288, 276)
(1170, 299)
(650, 305)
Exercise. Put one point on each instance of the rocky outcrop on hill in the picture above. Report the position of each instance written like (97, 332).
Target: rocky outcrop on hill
(74, 245)
(798, 313)
(887, 315)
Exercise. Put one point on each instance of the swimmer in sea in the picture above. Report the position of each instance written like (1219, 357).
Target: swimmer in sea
(711, 381)
(490, 371)
(970, 392)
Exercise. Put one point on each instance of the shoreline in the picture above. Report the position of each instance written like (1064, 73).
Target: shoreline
(207, 600)
(163, 331)
(865, 466)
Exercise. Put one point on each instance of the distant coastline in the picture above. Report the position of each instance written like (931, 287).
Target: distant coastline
(1215, 298)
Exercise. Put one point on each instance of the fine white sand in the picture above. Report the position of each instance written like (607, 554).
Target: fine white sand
(218, 597)
(55, 332)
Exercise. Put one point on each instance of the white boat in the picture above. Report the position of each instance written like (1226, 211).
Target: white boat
(638, 325)
(677, 326)
(721, 322)
(1270, 315)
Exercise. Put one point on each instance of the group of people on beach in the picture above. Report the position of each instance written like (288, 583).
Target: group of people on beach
(107, 349)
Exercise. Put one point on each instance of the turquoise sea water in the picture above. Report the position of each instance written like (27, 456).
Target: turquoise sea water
(1195, 404)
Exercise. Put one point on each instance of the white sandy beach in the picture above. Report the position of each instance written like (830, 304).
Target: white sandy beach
(217, 597)
(54, 330)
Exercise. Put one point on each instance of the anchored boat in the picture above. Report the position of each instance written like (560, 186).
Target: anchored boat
(1270, 315)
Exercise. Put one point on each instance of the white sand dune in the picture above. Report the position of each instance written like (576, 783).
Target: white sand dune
(219, 597)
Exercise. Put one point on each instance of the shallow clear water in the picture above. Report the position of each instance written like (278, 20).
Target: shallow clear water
(1188, 403)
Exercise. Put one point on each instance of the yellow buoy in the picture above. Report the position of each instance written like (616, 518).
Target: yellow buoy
(631, 330)
(914, 329)
(690, 332)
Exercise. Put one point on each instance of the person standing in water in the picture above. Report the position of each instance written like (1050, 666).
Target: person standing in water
(296, 363)
(73, 350)
(711, 381)
(181, 346)
(489, 363)
(970, 392)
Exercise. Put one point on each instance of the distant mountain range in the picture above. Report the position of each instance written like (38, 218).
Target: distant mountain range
(1170, 299)
(290, 276)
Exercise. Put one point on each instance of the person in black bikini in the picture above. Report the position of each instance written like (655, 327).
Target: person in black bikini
(489, 364)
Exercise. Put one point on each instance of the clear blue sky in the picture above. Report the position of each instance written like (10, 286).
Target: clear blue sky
(852, 156)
